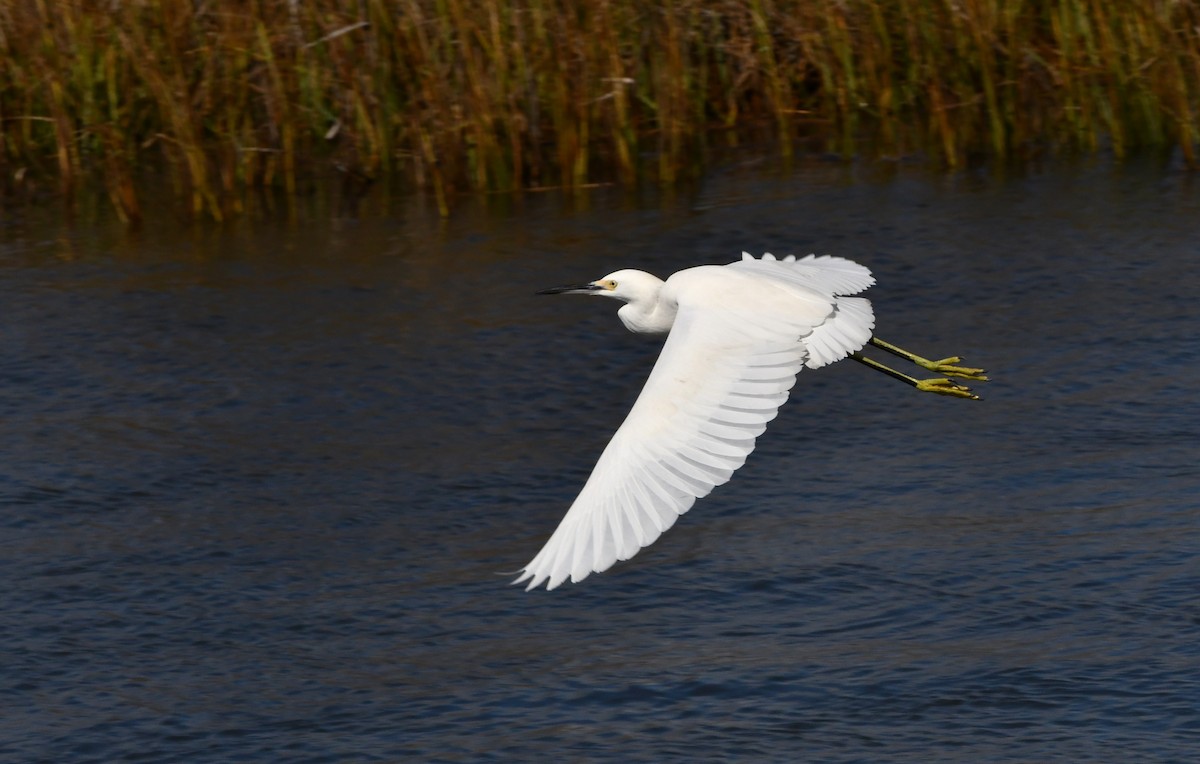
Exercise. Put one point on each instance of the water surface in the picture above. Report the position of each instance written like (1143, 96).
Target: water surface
(258, 484)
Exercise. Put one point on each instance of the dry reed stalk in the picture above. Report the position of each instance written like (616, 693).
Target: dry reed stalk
(507, 94)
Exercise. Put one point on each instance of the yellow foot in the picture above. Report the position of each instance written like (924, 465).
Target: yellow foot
(947, 366)
(943, 386)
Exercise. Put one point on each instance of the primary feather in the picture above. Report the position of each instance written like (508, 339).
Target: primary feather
(738, 336)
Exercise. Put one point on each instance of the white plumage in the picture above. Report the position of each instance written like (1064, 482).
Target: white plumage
(738, 336)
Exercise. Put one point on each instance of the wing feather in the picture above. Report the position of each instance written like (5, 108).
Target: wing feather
(826, 273)
(721, 377)
(850, 323)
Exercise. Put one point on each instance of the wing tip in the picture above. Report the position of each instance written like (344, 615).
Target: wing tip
(537, 578)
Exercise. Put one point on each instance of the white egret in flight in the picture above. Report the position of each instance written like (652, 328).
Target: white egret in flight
(738, 336)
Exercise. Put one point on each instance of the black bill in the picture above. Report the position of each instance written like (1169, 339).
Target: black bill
(574, 288)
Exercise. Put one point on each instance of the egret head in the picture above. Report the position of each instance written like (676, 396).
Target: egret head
(625, 285)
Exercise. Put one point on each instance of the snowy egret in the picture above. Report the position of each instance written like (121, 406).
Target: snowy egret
(738, 336)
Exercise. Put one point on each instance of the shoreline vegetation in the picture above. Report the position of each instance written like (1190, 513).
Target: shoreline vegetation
(502, 95)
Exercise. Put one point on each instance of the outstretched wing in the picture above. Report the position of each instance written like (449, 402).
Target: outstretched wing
(728, 363)
(849, 326)
(827, 274)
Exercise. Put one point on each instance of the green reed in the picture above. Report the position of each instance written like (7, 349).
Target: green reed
(460, 95)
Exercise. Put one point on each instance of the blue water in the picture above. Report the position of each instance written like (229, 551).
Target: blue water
(259, 484)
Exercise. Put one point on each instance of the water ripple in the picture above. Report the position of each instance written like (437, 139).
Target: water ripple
(259, 507)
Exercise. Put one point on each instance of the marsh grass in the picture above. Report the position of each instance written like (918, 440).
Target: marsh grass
(489, 95)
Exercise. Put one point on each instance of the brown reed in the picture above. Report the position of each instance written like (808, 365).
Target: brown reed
(501, 95)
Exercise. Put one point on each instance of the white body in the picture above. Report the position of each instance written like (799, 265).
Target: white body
(738, 336)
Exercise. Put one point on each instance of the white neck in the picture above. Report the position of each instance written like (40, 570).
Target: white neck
(647, 317)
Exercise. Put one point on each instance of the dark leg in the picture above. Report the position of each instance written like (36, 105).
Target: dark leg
(944, 366)
(940, 385)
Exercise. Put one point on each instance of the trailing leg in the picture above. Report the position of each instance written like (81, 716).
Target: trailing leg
(944, 366)
(939, 385)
